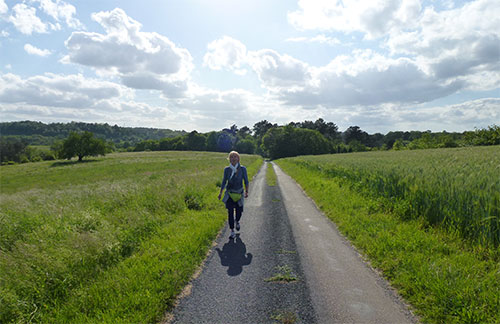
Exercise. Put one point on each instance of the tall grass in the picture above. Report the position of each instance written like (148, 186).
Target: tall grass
(82, 242)
(456, 188)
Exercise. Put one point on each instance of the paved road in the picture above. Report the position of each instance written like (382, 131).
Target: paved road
(232, 287)
(283, 232)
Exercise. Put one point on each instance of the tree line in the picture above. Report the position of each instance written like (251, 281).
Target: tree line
(315, 137)
(265, 138)
(38, 133)
(75, 145)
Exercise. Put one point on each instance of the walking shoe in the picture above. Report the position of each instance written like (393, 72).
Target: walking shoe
(237, 226)
(233, 234)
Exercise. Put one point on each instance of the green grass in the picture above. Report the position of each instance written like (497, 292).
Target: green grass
(111, 240)
(446, 278)
(284, 317)
(270, 175)
(284, 275)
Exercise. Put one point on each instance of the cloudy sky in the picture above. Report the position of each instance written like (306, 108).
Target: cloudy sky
(204, 65)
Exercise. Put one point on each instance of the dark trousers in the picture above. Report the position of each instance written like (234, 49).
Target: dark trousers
(231, 207)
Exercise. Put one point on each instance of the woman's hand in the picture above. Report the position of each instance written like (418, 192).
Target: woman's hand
(246, 194)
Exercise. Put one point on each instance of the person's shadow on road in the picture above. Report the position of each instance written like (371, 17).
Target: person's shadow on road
(233, 255)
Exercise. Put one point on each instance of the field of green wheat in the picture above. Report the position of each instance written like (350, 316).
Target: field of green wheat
(455, 188)
(108, 240)
(429, 220)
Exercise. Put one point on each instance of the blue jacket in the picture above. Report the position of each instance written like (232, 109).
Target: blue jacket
(235, 184)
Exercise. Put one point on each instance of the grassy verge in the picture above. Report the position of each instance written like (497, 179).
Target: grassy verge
(270, 175)
(112, 240)
(444, 278)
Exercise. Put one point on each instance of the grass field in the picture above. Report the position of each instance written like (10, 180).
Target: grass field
(427, 219)
(109, 240)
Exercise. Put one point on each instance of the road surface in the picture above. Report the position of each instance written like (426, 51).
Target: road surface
(283, 233)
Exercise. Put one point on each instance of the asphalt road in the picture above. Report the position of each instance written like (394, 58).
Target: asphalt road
(282, 232)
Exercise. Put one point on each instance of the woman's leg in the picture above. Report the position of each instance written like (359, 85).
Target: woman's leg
(239, 211)
(230, 217)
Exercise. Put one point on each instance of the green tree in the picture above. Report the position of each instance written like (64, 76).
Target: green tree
(291, 141)
(357, 146)
(245, 146)
(11, 149)
(490, 136)
(244, 132)
(195, 141)
(398, 145)
(81, 145)
(260, 129)
(354, 133)
(211, 141)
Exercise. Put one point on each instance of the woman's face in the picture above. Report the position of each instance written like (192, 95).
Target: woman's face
(234, 159)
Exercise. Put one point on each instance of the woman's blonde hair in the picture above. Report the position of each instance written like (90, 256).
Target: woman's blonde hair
(233, 153)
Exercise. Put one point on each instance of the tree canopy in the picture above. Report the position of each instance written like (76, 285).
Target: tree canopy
(289, 141)
(81, 145)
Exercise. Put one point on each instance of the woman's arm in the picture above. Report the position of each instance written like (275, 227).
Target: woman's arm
(223, 184)
(245, 180)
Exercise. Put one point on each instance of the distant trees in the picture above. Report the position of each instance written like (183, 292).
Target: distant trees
(15, 150)
(11, 149)
(82, 145)
(265, 138)
(313, 137)
(489, 136)
(290, 141)
(328, 130)
(37, 133)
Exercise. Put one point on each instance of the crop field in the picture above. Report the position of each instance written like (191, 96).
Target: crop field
(456, 188)
(108, 240)
(427, 219)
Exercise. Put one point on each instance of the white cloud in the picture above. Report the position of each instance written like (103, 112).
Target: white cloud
(208, 109)
(26, 21)
(452, 45)
(461, 43)
(228, 53)
(143, 60)
(363, 78)
(60, 10)
(478, 113)
(30, 49)
(3, 7)
(130, 113)
(368, 79)
(53, 90)
(56, 98)
(374, 18)
(277, 71)
(322, 39)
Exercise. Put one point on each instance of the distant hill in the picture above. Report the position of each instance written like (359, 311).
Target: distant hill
(38, 133)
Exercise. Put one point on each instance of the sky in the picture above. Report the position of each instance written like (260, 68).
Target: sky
(382, 65)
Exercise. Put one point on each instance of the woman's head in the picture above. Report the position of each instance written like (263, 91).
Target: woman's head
(233, 157)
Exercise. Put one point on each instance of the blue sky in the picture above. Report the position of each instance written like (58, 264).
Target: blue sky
(204, 65)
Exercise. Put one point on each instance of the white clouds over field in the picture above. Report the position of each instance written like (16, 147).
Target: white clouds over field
(382, 65)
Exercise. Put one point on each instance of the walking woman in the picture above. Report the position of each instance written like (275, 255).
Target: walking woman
(234, 177)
